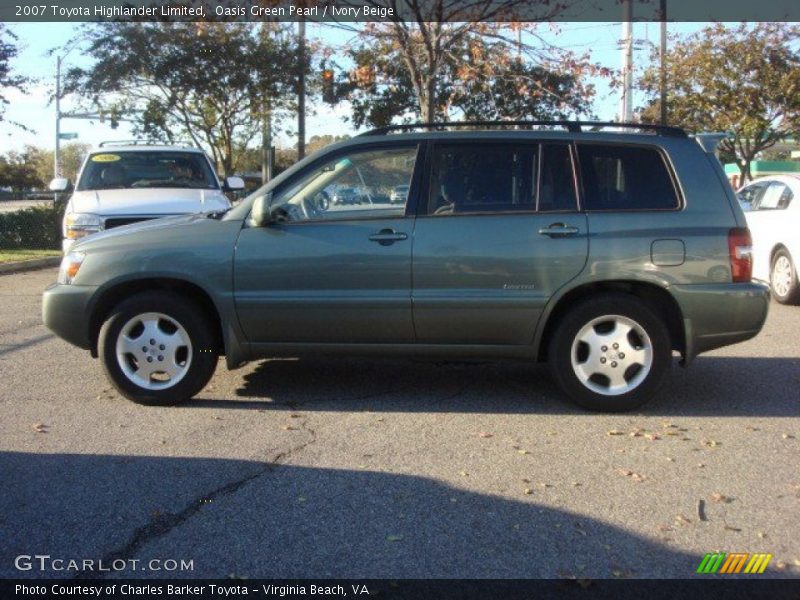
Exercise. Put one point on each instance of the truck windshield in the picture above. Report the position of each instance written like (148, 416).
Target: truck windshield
(146, 169)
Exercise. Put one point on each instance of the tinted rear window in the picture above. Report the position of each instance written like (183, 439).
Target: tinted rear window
(625, 178)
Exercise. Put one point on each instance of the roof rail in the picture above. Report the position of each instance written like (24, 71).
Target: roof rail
(571, 126)
(143, 143)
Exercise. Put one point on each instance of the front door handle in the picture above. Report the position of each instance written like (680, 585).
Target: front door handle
(559, 230)
(387, 237)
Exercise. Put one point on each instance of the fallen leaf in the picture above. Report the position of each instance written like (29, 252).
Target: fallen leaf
(701, 465)
(484, 434)
(637, 433)
(711, 443)
(717, 497)
(523, 451)
(670, 459)
(681, 520)
(289, 428)
(394, 538)
(301, 498)
(653, 437)
(463, 473)
(40, 428)
(631, 474)
(787, 436)
(762, 535)
(528, 491)
(732, 528)
(663, 527)
(615, 432)
(294, 416)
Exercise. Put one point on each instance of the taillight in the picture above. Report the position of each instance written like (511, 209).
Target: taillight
(740, 250)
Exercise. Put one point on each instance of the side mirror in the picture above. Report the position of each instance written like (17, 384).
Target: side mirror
(233, 184)
(60, 184)
(259, 213)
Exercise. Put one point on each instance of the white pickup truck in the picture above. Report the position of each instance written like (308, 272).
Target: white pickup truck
(122, 184)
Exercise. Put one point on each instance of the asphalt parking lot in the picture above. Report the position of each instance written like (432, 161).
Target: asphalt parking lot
(395, 468)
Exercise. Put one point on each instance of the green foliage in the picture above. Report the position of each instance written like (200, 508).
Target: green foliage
(210, 83)
(743, 80)
(8, 79)
(38, 227)
(19, 171)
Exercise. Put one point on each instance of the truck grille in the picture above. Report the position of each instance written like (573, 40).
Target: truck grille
(119, 221)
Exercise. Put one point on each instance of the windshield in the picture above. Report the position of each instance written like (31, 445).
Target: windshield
(147, 169)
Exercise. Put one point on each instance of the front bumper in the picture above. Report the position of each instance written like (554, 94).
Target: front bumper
(66, 312)
(717, 315)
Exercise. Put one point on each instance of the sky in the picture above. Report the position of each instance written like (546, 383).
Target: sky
(35, 110)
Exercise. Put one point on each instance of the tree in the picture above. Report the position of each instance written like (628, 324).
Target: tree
(203, 81)
(72, 156)
(743, 80)
(18, 171)
(433, 64)
(8, 79)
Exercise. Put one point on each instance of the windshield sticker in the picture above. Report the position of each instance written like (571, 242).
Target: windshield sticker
(105, 158)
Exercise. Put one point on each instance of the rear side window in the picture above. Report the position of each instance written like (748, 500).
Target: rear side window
(471, 178)
(625, 178)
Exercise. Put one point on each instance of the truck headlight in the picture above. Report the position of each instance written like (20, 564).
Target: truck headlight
(70, 265)
(78, 225)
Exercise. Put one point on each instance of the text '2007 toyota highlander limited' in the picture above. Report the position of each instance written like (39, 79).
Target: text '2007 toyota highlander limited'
(600, 252)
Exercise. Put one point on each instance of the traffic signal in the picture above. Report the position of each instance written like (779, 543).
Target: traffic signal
(328, 92)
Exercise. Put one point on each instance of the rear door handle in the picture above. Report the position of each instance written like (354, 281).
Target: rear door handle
(559, 230)
(387, 237)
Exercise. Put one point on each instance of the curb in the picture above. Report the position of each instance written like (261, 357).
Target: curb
(29, 265)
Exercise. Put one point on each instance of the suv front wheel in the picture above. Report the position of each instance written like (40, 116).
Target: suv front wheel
(156, 348)
(610, 353)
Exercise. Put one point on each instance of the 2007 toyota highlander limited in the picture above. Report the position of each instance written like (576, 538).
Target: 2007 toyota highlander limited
(601, 252)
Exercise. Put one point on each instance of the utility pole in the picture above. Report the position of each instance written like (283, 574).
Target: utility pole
(57, 154)
(266, 141)
(626, 101)
(663, 57)
(301, 89)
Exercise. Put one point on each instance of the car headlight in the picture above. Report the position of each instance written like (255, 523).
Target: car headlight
(78, 225)
(70, 265)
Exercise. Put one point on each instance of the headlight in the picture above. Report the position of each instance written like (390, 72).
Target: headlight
(70, 265)
(78, 225)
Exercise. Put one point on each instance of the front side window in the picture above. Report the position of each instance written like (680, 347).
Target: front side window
(146, 169)
(361, 184)
(620, 178)
(752, 194)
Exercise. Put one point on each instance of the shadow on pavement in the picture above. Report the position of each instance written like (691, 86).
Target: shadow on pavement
(711, 386)
(254, 519)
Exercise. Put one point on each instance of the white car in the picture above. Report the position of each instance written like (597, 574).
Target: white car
(773, 216)
(122, 184)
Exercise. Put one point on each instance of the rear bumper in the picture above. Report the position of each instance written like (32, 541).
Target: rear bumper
(717, 315)
(65, 311)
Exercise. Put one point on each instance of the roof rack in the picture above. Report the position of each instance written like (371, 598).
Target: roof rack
(143, 143)
(571, 126)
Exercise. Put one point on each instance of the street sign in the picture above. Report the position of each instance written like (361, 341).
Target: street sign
(67, 136)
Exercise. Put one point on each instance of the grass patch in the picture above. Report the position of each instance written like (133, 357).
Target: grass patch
(24, 254)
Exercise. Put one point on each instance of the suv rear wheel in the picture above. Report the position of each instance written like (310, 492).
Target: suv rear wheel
(157, 348)
(610, 353)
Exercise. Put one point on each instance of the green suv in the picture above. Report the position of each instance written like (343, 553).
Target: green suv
(601, 252)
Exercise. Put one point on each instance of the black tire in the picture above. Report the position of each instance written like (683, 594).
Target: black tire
(200, 362)
(561, 350)
(792, 294)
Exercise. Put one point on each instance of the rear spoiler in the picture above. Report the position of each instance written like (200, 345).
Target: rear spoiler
(710, 141)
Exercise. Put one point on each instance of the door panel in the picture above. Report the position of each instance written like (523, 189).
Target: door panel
(329, 271)
(485, 279)
(325, 282)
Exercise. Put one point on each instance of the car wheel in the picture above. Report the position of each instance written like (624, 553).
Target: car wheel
(157, 348)
(783, 279)
(610, 353)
